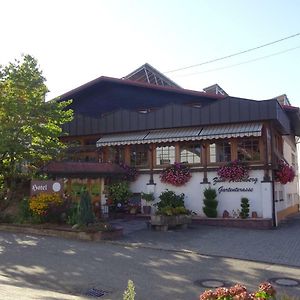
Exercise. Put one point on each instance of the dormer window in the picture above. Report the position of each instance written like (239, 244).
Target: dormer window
(196, 105)
(144, 111)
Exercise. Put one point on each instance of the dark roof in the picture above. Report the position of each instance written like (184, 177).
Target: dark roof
(109, 94)
(82, 168)
(106, 105)
(148, 74)
(228, 111)
(102, 80)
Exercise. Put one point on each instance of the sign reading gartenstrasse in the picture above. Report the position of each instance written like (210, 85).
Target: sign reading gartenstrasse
(45, 186)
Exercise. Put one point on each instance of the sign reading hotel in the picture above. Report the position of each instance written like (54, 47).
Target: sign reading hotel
(247, 185)
(45, 186)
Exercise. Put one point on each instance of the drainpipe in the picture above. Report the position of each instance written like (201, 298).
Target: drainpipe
(273, 200)
(273, 176)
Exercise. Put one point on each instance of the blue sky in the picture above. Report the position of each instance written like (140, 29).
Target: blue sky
(77, 41)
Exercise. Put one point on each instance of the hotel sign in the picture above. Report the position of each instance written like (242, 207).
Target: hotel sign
(45, 186)
(241, 188)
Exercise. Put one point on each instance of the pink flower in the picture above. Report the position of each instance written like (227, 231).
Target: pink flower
(285, 173)
(177, 174)
(234, 171)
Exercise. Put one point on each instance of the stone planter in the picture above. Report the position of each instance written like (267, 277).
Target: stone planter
(160, 222)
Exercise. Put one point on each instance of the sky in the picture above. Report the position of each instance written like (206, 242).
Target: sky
(76, 41)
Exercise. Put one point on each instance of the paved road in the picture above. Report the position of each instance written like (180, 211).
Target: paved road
(280, 246)
(48, 268)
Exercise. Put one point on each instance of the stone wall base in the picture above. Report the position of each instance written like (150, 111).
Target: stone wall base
(250, 223)
(65, 233)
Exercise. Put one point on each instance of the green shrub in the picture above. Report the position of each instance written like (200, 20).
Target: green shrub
(86, 215)
(25, 213)
(119, 192)
(210, 193)
(170, 198)
(148, 197)
(171, 204)
(129, 293)
(210, 202)
(173, 211)
(73, 213)
(244, 208)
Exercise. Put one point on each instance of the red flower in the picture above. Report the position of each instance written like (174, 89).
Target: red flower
(177, 174)
(285, 173)
(234, 171)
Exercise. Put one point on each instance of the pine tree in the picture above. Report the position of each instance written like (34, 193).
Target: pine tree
(86, 215)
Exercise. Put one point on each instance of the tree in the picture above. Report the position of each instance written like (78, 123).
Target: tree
(30, 127)
(86, 215)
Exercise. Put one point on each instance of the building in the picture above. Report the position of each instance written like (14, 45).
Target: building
(147, 121)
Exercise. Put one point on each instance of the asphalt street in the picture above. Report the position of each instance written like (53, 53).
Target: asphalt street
(35, 267)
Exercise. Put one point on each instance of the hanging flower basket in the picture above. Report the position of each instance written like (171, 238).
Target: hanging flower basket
(177, 174)
(285, 173)
(234, 171)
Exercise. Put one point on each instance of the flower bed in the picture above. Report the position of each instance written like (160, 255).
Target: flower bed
(239, 292)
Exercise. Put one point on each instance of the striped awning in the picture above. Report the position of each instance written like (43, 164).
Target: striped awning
(122, 139)
(181, 134)
(231, 131)
(173, 135)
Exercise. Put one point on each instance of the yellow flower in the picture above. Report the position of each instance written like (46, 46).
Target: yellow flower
(40, 203)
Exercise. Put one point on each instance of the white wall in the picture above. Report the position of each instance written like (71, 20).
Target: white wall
(290, 191)
(193, 191)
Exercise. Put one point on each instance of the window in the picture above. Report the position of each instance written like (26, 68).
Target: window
(139, 155)
(281, 196)
(116, 154)
(220, 151)
(165, 155)
(248, 150)
(289, 199)
(190, 153)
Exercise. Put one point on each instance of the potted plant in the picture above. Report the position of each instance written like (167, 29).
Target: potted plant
(148, 197)
(210, 203)
(171, 211)
(119, 193)
(244, 208)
